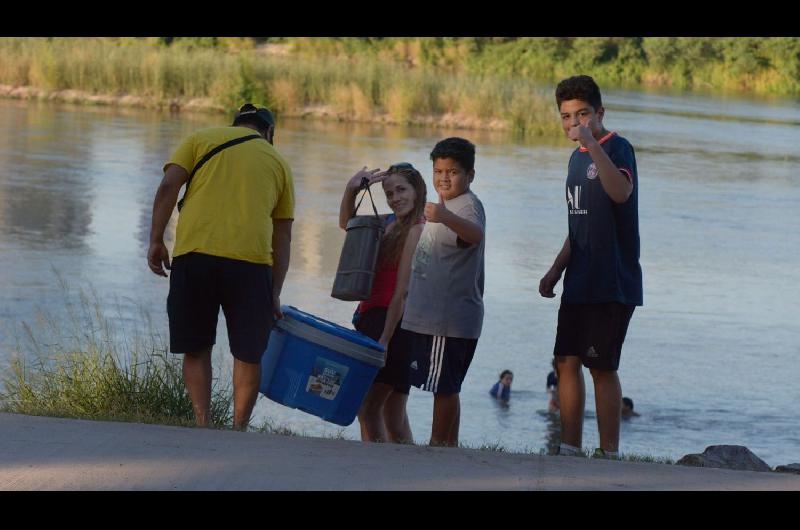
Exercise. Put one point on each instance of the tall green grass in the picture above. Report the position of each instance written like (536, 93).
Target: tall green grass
(760, 65)
(111, 66)
(363, 88)
(499, 83)
(88, 365)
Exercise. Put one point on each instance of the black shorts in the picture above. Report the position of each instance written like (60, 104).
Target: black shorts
(439, 364)
(395, 372)
(199, 284)
(594, 332)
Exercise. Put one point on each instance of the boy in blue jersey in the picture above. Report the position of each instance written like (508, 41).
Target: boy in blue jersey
(603, 280)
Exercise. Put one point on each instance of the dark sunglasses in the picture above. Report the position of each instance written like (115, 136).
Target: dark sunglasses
(401, 166)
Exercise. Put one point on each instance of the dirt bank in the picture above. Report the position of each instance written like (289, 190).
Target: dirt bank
(317, 112)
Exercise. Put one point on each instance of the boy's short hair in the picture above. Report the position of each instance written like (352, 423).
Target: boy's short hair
(628, 402)
(580, 87)
(506, 372)
(459, 149)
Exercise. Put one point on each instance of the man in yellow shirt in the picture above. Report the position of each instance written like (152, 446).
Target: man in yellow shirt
(231, 250)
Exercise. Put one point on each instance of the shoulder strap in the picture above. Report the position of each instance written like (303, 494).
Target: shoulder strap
(208, 155)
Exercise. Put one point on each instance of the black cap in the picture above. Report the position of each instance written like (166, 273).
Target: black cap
(262, 113)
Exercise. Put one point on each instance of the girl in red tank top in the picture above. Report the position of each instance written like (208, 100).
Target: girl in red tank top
(385, 281)
(382, 415)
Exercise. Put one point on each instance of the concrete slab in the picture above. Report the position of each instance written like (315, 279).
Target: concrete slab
(38, 453)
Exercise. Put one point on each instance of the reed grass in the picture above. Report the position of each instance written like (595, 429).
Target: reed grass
(358, 88)
(88, 365)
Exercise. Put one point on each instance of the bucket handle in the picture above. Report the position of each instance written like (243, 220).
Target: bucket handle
(365, 184)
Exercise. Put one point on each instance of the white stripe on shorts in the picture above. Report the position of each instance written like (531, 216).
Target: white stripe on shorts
(431, 363)
(439, 366)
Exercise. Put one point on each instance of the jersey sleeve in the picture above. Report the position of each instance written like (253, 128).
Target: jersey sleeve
(284, 208)
(184, 155)
(622, 156)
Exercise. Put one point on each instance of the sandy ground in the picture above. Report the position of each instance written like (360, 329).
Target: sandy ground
(39, 453)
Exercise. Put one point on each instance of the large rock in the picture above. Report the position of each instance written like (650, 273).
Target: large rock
(789, 468)
(726, 457)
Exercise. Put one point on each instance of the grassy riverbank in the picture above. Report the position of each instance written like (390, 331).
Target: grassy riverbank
(94, 364)
(475, 83)
(86, 366)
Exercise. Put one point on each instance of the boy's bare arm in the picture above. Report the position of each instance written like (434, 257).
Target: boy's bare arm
(616, 183)
(552, 276)
(465, 229)
(562, 259)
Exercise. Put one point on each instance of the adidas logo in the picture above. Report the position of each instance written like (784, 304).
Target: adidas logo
(591, 353)
(414, 365)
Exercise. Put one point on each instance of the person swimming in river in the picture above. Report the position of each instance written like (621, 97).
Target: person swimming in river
(502, 388)
(627, 409)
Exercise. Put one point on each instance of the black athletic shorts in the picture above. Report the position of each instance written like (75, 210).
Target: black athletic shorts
(439, 364)
(199, 284)
(594, 332)
(395, 371)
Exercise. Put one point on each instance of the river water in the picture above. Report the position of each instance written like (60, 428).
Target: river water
(713, 357)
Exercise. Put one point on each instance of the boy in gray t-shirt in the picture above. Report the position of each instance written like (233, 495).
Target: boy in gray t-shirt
(444, 310)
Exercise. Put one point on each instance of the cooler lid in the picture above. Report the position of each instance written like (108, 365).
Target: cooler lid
(321, 331)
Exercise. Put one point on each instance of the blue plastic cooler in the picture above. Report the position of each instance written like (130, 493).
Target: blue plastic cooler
(319, 367)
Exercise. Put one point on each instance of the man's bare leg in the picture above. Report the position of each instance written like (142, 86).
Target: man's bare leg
(246, 380)
(197, 379)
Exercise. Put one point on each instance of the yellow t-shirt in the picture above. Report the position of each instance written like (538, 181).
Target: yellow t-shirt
(234, 197)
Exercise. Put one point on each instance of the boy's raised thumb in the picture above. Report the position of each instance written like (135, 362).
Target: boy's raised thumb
(441, 198)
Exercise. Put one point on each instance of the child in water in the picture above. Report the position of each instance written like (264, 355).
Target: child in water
(502, 388)
(627, 409)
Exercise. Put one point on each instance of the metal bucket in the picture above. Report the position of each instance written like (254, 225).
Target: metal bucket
(356, 271)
